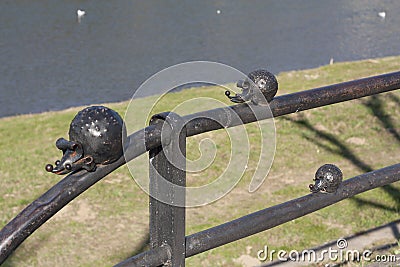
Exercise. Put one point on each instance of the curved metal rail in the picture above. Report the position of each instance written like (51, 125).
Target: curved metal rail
(43, 208)
(268, 218)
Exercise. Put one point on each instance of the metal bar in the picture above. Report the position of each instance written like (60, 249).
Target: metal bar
(281, 105)
(168, 162)
(39, 211)
(270, 217)
(43, 208)
(154, 257)
(292, 103)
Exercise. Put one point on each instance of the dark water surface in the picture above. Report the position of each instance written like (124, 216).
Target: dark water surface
(50, 60)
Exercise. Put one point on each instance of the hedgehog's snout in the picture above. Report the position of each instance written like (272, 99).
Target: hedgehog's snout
(72, 153)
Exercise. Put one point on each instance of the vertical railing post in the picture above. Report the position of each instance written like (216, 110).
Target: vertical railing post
(167, 188)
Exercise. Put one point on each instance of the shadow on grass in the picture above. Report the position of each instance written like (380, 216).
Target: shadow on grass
(9, 262)
(383, 249)
(142, 246)
(376, 105)
(342, 150)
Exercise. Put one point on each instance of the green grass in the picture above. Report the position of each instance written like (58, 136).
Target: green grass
(109, 222)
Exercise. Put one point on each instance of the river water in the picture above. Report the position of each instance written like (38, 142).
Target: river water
(50, 60)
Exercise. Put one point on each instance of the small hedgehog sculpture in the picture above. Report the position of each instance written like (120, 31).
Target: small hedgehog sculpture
(327, 179)
(95, 137)
(260, 86)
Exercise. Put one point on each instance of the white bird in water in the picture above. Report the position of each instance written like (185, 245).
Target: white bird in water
(80, 13)
(382, 14)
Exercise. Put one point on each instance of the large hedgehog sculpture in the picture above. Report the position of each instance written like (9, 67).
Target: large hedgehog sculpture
(95, 137)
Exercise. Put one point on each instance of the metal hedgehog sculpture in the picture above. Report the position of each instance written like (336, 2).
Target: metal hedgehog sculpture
(260, 86)
(95, 138)
(327, 179)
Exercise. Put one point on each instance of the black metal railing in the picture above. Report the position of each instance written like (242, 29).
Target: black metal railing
(169, 246)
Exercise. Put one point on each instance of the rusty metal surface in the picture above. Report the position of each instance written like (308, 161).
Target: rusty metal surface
(39, 211)
(285, 212)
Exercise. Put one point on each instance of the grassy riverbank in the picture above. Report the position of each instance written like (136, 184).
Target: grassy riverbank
(109, 222)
